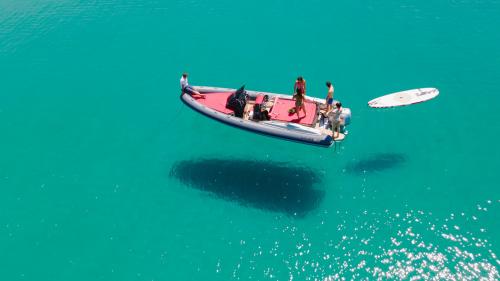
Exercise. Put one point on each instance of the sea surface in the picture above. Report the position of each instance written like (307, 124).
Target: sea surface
(106, 175)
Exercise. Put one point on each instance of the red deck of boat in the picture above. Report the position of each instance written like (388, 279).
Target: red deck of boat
(281, 107)
(279, 111)
(216, 101)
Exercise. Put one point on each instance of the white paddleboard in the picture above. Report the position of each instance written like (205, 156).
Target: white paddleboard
(404, 98)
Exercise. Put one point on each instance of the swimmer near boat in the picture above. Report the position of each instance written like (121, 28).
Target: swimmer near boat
(270, 114)
(404, 98)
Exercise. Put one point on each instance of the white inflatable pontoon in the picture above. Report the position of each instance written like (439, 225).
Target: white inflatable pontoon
(313, 128)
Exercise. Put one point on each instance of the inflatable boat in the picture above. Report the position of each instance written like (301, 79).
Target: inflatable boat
(269, 114)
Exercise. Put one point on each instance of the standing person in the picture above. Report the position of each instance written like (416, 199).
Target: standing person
(329, 96)
(335, 119)
(186, 88)
(300, 98)
(300, 83)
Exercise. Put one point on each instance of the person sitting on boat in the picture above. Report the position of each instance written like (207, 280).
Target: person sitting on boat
(336, 119)
(300, 98)
(186, 88)
(329, 96)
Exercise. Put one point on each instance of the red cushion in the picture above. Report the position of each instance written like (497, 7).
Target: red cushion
(259, 99)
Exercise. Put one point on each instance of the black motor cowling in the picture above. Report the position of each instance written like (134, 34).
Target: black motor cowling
(237, 101)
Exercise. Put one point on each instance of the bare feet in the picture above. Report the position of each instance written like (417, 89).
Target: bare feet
(197, 94)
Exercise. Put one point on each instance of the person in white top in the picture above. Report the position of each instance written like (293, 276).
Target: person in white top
(186, 88)
(336, 119)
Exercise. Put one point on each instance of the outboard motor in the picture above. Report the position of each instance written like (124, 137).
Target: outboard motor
(346, 115)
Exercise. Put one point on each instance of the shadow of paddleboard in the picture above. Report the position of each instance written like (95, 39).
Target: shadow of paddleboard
(267, 185)
(376, 163)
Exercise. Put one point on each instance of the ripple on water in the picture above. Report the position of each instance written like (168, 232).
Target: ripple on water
(410, 245)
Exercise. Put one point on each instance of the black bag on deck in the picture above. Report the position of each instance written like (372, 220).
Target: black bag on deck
(259, 113)
(237, 101)
(256, 112)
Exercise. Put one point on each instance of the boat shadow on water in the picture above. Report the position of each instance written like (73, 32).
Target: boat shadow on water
(267, 185)
(376, 163)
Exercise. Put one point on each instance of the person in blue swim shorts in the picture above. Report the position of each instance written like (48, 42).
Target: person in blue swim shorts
(329, 97)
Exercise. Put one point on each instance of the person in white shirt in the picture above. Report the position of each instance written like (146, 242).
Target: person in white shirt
(186, 88)
(336, 119)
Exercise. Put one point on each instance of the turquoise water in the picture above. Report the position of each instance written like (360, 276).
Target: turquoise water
(105, 175)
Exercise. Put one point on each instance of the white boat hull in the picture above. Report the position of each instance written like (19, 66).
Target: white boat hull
(284, 130)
